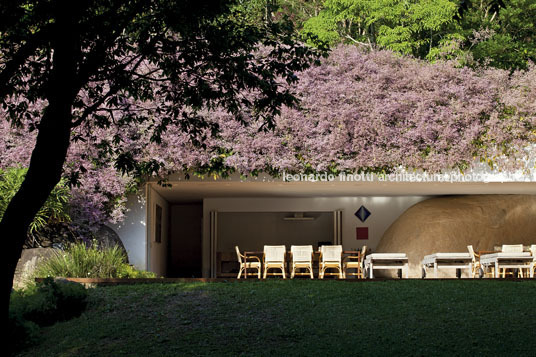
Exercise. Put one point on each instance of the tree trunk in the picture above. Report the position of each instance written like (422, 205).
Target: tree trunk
(50, 150)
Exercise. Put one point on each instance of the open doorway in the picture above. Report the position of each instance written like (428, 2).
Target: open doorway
(250, 231)
(185, 240)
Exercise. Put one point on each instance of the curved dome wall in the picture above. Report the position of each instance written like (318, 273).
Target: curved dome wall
(450, 223)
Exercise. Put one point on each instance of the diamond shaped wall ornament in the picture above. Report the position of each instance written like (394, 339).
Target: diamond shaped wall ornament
(362, 213)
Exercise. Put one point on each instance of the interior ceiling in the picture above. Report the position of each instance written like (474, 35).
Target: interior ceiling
(181, 191)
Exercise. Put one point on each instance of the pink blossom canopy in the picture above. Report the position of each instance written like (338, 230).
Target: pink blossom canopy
(359, 110)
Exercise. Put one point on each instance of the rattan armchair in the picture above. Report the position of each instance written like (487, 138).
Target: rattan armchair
(274, 258)
(330, 258)
(354, 262)
(245, 264)
(302, 258)
(511, 248)
(533, 264)
(476, 269)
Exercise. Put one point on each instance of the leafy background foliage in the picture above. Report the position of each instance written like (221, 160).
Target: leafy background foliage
(55, 210)
(428, 29)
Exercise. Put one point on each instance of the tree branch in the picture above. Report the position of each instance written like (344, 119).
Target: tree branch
(19, 58)
(113, 90)
(358, 42)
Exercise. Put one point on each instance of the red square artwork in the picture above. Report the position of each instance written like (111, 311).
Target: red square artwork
(361, 232)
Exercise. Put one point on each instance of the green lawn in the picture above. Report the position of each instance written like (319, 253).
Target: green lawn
(300, 317)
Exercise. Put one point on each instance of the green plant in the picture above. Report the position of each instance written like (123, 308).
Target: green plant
(81, 261)
(42, 304)
(48, 302)
(21, 333)
(55, 209)
(128, 271)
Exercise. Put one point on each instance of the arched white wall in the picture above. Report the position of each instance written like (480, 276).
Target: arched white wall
(133, 229)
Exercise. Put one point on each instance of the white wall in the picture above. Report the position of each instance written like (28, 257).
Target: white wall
(132, 230)
(158, 251)
(384, 211)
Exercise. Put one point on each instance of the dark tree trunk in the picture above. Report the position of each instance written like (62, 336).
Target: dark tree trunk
(49, 153)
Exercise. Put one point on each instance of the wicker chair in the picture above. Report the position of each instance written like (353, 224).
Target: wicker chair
(533, 264)
(245, 264)
(476, 269)
(274, 258)
(330, 258)
(354, 262)
(302, 258)
(511, 248)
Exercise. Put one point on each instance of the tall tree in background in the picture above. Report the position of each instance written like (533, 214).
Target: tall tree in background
(506, 29)
(81, 66)
(499, 33)
(296, 11)
(410, 27)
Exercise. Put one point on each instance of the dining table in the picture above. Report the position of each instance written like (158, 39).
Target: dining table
(504, 260)
(456, 261)
(395, 261)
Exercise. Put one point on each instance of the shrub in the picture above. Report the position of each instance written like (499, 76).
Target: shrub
(49, 302)
(42, 305)
(81, 261)
(20, 333)
(128, 271)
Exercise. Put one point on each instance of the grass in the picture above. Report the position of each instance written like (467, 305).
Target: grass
(287, 318)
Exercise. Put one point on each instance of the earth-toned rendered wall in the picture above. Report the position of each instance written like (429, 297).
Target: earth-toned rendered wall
(450, 223)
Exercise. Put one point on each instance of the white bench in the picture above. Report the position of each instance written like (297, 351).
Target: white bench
(456, 261)
(397, 261)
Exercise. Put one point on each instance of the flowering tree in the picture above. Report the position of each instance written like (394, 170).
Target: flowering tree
(100, 193)
(74, 69)
(376, 112)
(359, 111)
